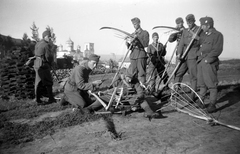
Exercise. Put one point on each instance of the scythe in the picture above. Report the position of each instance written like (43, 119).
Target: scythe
(124, 58)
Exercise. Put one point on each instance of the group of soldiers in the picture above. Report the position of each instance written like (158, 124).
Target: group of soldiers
(201, 63)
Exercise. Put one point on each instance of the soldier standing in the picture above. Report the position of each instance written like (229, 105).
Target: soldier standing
(208, 63)
(156, 52)
(138, 56)
(176, 37)
(42, 65)
(190, 62)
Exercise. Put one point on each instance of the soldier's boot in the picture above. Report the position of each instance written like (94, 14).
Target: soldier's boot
(148, 111)
(213, 99)
(93, 107)
(63, 101)
(202, 93)
(38, 97)
(50, 95)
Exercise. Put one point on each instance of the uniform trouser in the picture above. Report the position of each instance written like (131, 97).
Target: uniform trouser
(207, 79)
(153, 71)
(43, 76)
(189, 65)
(139, 68)
(78, 98)
(140, 92)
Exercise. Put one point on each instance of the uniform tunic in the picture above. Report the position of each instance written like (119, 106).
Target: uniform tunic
(176, 37)
(77, 86)
(42, 64)
(156, 52)
(190, 64)
(138, 56)
(208, 62)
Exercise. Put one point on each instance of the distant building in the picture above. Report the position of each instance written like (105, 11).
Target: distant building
(61, 52)
(70, 45)
(88, 49)
(69, 51)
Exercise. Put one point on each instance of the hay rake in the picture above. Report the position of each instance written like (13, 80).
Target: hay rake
(181, 101)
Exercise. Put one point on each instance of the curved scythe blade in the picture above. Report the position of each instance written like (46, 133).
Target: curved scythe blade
(166, 27)
(119, 30)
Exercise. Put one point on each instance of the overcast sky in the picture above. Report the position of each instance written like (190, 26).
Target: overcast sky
(81, 20)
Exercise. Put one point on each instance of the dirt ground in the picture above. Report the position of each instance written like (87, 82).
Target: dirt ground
(177, 133)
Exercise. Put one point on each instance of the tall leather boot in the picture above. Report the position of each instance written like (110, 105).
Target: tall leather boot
(50, 95)
(148, 111)
(213, 99)
(38, 96)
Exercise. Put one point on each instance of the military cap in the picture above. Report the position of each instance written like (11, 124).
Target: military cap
(94, 57)
(190, 18)
(155, 34)
(135, 20)
(207, 21)
(179, 20)
(45, 33)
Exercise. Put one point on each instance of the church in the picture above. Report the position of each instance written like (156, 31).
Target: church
(76, 54)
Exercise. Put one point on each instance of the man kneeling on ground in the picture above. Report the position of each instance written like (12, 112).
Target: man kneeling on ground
(77, 86)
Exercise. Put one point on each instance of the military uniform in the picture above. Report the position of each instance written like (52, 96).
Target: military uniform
(42, 66)
(176, 37)
(156, 62)
(140, 98)
(77, 86)
(138, 55)
(190, 62)
(208, 62)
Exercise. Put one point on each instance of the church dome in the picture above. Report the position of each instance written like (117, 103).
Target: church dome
(69, 41)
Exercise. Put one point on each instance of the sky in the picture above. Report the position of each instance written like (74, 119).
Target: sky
(81, 20)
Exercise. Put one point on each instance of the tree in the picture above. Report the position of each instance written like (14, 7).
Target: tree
(35, 34)
(112, 64)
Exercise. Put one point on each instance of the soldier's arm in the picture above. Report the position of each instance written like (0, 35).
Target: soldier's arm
(163, 50)
(217, 49)
(80, 81)
(149, 50)
(48, 54)
(181, 45)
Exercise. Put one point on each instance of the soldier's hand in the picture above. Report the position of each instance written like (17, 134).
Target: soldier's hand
(97, 82)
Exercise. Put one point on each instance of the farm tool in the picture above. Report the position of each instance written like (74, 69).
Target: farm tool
(183, 57)
(181, 101)
(116, 102)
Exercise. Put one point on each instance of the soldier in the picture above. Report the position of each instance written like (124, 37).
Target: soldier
(156, 52)
(132, 80)
(77, 85)
(176, 37)
(208, 63)
(138, 55)
(190, 62)
(42, 65)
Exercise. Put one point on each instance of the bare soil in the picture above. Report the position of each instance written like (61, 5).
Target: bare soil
(177, 133)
